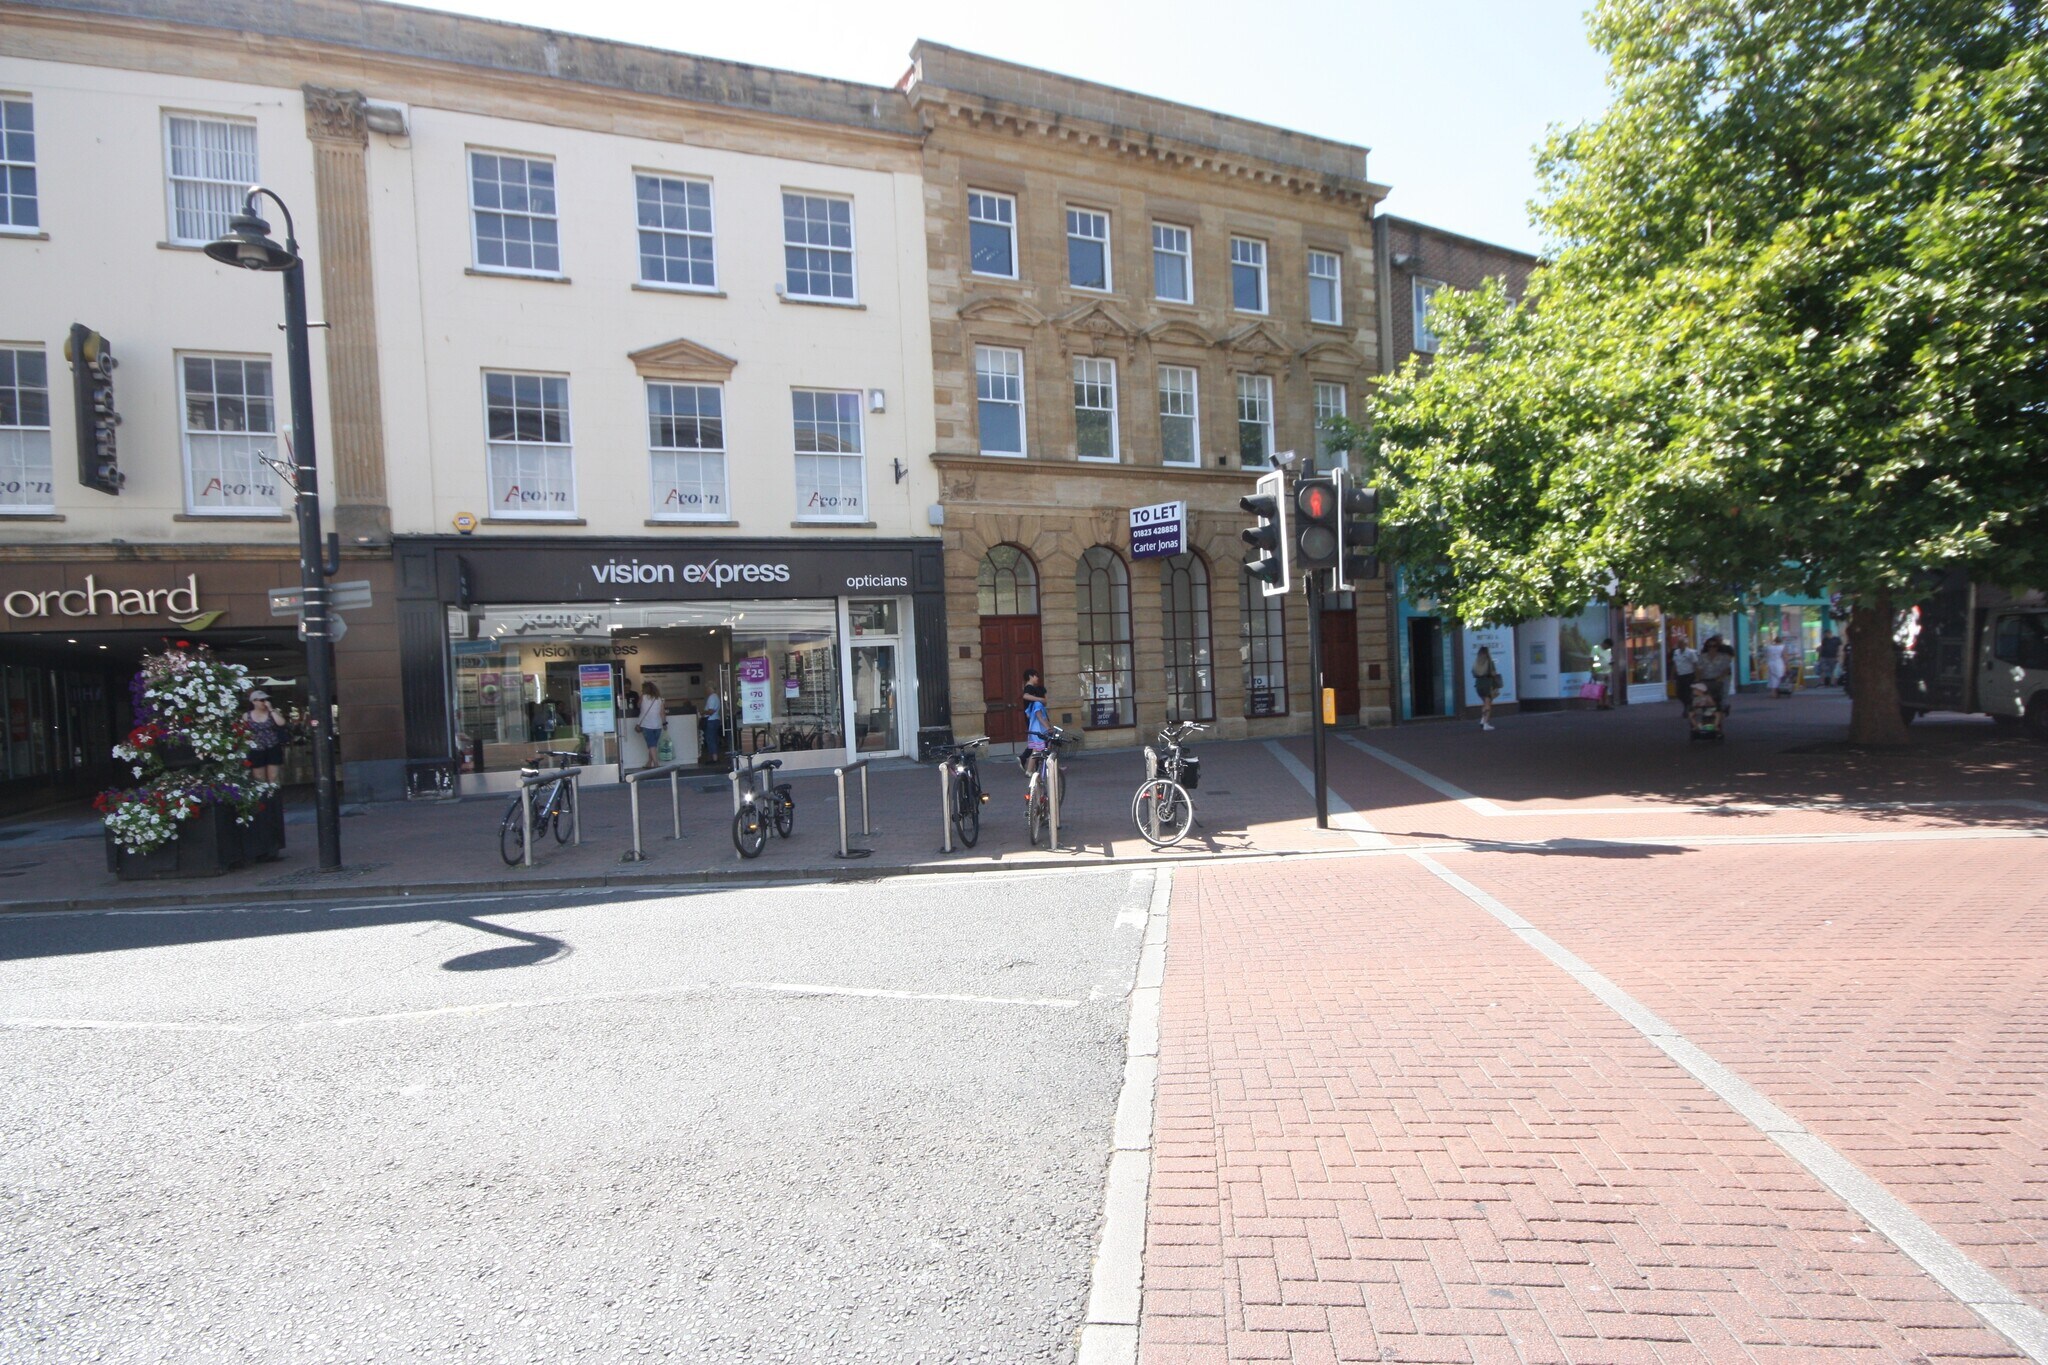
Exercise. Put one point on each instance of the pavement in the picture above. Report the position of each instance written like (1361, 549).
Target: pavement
(1605, 1047)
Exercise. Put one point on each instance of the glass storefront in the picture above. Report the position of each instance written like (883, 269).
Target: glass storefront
(794, 678)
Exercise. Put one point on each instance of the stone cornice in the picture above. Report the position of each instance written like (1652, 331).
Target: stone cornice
(980, 113)
(336, 115)
(1088, 469)
(683, 359)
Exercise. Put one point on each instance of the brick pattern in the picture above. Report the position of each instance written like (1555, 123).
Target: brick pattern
(1387, 1131)
(1430, 253)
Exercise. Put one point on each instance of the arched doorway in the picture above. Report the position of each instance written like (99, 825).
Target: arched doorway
(1006, 587)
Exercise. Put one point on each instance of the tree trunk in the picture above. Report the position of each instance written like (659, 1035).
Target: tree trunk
(1874, 709)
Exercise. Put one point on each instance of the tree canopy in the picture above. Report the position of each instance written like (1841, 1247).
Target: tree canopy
(1791, 333)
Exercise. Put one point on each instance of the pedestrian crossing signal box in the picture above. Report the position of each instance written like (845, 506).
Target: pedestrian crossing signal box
(1267, 555)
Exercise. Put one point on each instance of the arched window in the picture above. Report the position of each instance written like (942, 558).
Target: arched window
(1007, 584)
(1263, 640)
(1184, 598)
(1102, 612)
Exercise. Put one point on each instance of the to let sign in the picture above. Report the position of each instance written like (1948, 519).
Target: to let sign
(1161, 529)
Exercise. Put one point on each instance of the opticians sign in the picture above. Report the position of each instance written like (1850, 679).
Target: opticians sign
(687, 573)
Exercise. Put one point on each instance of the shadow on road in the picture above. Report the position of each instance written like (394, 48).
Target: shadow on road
(531, 950)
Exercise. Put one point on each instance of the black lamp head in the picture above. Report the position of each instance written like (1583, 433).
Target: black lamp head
(248, 244)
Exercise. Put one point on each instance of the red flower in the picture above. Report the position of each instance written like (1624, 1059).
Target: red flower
(184, 644)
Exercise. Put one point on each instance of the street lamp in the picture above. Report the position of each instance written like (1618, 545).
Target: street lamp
(248, 244)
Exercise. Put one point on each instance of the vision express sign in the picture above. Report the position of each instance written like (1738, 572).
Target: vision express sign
(655, 575)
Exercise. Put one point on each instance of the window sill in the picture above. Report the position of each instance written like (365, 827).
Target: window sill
(994, 279)
(645, 288)
(1097, 459)
(534, 521)
(1003, 454)
(1251, 312)
(31, 516)
(843, 525)
(686, 521)
(515, 275)
(1339, 327)
(19, 235)
(263, 517)
(823, 303)
(1187, 305)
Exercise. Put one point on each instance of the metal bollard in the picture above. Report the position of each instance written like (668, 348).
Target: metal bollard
(526, 821)
(636, 856)
(839, 776)
(1052, 797)
(576, 806)
(675, 804)
(946, 803)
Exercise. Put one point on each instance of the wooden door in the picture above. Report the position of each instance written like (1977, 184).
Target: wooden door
(1009, 645)
(1340, 662)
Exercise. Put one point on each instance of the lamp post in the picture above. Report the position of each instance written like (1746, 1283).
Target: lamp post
(248, 244)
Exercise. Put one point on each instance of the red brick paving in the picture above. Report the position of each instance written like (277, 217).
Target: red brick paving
(1387, 1130)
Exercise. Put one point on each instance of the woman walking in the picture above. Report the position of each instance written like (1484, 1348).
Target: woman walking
(653, 719)
(1486, 682)
(266, 737)
(1774, 665)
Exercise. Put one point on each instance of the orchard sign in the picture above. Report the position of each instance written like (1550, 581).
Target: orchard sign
(179, 606)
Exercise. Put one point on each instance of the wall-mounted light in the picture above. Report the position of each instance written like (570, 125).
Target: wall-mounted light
(878, 401)
(935, 514)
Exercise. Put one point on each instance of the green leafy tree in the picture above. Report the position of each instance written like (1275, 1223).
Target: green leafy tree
(1792, 335)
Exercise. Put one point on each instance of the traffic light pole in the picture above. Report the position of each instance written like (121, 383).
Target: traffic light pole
(1318, 741)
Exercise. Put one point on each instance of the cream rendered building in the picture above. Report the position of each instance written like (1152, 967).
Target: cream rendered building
(625, 380)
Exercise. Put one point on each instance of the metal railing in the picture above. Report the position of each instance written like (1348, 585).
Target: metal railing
(528, 781)
(673, 772)
(839, 775)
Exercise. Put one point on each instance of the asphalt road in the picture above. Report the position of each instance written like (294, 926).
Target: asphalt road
(820, 1123)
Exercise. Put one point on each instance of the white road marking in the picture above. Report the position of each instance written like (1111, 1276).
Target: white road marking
(493, 1006)
(1982, 1292)
(116, 1025)
(875, 993)
(1342, 817)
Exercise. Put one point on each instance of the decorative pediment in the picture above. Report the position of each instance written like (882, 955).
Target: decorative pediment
(1256, 339)
(1178, 332)
(683, 359)
(1333, 353)
(1096, 319)
(996, 308)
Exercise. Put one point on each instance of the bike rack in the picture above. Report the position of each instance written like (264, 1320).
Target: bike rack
(673, 772)
(1052, 797)
(526, 786)
(946, 802)
(839, 774)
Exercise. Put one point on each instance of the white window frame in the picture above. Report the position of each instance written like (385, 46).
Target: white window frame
(1186, 254)
(710, 236)
(476, 258)
(1193, 391)
(1261, 396)
(654, 451)
(235, 186)
(1324, 411)
(567, 443)
(271, 510)
(1335, 276)
(981, 375)
(1115, 442)
(1265, 280)
(852, 248)
(1420, 293)
(1008, 226)
(1076, 212)
(10, 163)
(19, 440)
(860, 430)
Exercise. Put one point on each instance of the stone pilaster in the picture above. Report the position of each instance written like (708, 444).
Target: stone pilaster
(337, 128)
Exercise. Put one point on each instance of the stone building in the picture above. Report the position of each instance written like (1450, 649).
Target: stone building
(1134, 302)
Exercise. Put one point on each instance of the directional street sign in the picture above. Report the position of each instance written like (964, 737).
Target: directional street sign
(353, 595)
(336, 628)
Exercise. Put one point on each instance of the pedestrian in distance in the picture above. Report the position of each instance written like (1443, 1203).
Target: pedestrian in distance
(1486, 682)
(1603, 671)
(1830, 658)
(713, 723)
(1774, 665)
(1037, 719)
(1716, 666)
(1685, 667)
(266, 737)
(653, 720)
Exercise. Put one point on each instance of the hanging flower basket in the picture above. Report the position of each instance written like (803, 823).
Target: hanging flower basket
(195, 810)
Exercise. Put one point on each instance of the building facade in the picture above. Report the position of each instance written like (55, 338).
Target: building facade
(624, 369)
(1134, 303)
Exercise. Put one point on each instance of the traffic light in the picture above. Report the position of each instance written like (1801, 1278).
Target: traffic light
(92, 403)
(1317, 539)
(1358, 530)
(1269, 538)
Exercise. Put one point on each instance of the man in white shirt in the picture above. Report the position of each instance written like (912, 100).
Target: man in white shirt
(1685, 663)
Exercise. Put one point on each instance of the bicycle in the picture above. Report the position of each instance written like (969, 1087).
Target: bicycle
(964, 761)
(761, 805)
(1162, 809)
(1037, 791)
(554, 803)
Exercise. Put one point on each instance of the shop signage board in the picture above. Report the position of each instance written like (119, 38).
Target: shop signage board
(1159, 530)
(594, 691)
(755, 707)
(1499, 643)
(646, 573)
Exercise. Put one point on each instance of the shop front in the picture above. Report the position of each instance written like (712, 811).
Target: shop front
(821, 653)
(73, 633)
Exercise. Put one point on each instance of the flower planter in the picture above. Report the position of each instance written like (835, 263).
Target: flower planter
(208, 844)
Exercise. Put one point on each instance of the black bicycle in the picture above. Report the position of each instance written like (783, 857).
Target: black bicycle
(764, 803)
(963, 762)
(554, 803)
(1162, 809)
(1037, 791)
